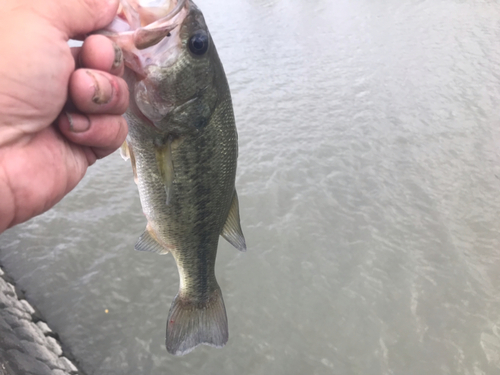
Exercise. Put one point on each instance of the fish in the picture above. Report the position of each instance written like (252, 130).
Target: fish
(183, 147)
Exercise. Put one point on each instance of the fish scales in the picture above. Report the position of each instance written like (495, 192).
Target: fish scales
(204, 167)
(183, 146)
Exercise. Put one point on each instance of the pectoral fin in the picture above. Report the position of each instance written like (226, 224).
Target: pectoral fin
(127, 153)
(166, 167)
(232, 229)
(148, 242)
(124, 152)
(132, 161)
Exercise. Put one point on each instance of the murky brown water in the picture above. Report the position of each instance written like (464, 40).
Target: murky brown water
(369, 184)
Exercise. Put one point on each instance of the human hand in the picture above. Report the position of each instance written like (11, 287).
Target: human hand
(44, 152)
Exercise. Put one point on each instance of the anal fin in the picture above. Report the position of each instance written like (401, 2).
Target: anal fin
(232, 229)
(148, 242)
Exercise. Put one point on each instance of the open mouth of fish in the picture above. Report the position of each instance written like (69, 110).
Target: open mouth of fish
(148, 35)
(150, 40)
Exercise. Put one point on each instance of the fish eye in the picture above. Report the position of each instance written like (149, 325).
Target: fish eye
(198, 43)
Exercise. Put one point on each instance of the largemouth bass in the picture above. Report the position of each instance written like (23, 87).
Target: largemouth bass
(183, 147)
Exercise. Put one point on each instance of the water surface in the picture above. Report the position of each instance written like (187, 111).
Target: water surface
(369, 186)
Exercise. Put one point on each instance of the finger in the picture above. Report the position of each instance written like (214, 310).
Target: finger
(97, 92)
(75, 52)
(100, 53)
(104, 134)
(79, 17)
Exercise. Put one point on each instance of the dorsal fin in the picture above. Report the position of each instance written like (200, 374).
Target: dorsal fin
(147, 242)
(232, 229)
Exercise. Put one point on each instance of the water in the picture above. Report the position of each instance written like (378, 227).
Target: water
(369, 185)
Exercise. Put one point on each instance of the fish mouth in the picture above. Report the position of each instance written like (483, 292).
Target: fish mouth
(147, 35)
(150, 34)
(149, 38)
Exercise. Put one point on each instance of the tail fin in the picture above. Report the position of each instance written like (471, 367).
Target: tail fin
(190, 324)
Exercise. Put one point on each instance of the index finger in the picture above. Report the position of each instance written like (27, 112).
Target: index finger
(78, 17)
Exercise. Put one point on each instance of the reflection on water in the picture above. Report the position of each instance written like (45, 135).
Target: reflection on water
(369, 184)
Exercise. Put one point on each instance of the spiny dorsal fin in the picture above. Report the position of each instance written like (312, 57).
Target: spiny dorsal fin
(232, 229)
(166, 167)
(147, 242)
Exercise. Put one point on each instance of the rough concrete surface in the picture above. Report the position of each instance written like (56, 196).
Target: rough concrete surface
(27, 345)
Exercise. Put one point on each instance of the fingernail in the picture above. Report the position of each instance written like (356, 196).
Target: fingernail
(103, 89)
(118, 56)
(78, 123)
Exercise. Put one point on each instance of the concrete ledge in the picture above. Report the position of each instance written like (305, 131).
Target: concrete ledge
(27, 345)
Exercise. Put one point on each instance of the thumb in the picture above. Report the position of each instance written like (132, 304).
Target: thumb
(80, 17)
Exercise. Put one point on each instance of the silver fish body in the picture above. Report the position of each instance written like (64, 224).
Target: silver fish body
(183, 146)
